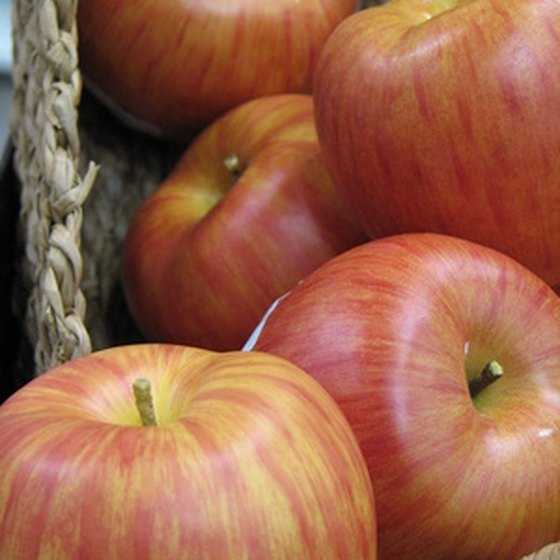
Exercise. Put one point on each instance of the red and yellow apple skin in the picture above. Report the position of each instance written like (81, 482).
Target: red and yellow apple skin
(250, 458)
(393, 329)
(442, 116)
(179, 64)
(209, 250)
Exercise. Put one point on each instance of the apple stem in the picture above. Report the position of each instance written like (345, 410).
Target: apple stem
(142, 389)
(491, 372)
(233, 164)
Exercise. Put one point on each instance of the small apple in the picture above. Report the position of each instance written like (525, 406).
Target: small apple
(443, 116)
(233, 455)
(248, 211)
(407, 334)
(176, 65)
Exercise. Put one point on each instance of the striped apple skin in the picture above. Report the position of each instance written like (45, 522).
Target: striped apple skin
(177, 65)
(393, 329)
(205, 255)
(251, 458)
(442, 116)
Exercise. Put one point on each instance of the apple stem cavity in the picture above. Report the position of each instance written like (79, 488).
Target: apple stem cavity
(491, 372)
(234, 167)
(142, 389)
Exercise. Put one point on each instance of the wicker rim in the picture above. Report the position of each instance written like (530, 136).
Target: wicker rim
(47, 88)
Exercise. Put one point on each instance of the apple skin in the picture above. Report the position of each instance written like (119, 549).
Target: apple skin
(176, 65)
(250, 458)
(384, 327)
(204, 258)
(449, 123)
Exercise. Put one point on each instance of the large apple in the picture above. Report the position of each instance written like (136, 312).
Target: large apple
(443, 116)
(249, 457)
(407, 334)
(178, 64)
(248, 211)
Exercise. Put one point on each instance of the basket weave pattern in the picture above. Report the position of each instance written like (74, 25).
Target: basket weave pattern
(74, 213)
(47, 90)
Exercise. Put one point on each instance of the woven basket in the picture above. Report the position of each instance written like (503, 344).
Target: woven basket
(81, 174)
(551, 552)
(65, 142)
(68, 289)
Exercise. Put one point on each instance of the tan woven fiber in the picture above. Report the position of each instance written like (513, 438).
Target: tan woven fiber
(551, 552)
(74, 213)
(131, 166)
(47, 89)
(53, 160)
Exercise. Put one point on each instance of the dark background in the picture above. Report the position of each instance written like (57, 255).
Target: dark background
(9, 331)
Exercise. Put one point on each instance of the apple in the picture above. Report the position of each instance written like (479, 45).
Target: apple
(176, 65)
(444, 355)
(443, 116)
(248, 458)
(247, 212)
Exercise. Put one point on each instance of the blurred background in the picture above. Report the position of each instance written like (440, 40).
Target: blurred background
(5, 69)
(9, 332)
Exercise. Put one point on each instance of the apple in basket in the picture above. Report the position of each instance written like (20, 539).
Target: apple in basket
(443, 116)
(175, 65)
(237, 455)
(248, 211)
(444, 356)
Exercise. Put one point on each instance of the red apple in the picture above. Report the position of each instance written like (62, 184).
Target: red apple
(178, 64)
(249, 458)
(398, 331)
(443, 116)
(248, 211)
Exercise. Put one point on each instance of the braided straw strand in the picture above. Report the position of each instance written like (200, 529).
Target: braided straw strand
(550, 552)
(43, 121)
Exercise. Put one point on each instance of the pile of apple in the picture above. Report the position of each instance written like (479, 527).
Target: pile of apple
(346, 287)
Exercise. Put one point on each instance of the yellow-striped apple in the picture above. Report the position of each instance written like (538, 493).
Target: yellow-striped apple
(248, 211)
(160, 452)
(407, 334)
(176, 65)
(442, 116)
